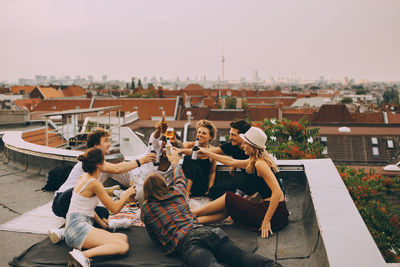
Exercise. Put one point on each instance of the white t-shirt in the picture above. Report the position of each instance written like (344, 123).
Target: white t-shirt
(137, 175)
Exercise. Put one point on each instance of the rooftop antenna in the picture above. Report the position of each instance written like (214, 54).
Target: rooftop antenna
(223, 62)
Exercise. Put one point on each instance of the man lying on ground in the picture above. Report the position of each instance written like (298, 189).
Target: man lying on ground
(169, 221)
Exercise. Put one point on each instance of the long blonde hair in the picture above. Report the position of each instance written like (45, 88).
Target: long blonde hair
(257, 153)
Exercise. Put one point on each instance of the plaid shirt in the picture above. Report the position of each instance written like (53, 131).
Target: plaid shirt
(167, 221)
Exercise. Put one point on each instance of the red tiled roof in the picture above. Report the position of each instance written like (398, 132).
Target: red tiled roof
(296, 114)
(29, 103)
(39, 137)
(195, 100)
(393, 117)
(259, 114)
(263, 93)
(297, 117)
(224, 115)
(368, 117)
(17, 89)
(73, 91)
(269, 100)
(193, 87)
(299, 110)
(45, 92)
(209, 102)
(5, 90)
(171, 93)
(50, 92)
(332, 113)
(146, 107)
(230, 92)
(52, 105)
(197, 113)
(175, 124)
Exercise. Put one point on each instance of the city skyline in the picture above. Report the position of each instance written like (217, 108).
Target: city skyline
(356, 39)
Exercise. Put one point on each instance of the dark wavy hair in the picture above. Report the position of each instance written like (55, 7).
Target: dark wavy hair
(94, 137)
(241, 125)
(90, 159)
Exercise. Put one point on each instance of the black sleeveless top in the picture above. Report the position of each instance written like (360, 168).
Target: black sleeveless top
(198, 171)
(255, 183)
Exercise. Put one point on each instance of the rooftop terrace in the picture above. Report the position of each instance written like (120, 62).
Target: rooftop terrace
(325, 227)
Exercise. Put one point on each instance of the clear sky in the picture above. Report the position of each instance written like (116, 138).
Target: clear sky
(332, 38)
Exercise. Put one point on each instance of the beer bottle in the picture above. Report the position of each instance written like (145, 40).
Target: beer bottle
(195, 148)
(168, 147)
(164, 124)
(156, 162)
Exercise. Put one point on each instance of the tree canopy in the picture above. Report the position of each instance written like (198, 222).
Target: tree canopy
(391, 96)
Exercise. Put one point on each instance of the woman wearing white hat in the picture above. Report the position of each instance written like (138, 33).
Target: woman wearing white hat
(269, 215)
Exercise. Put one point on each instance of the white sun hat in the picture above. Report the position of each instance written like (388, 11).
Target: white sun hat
(255, 137)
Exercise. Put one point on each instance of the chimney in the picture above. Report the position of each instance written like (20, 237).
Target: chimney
(223, 104)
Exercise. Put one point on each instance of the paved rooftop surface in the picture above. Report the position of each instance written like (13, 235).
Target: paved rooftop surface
(19, 193)
(299, 244)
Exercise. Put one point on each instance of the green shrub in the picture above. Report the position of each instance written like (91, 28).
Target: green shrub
(369, 193)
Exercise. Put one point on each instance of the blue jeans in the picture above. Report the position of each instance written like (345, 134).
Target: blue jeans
(207, 246)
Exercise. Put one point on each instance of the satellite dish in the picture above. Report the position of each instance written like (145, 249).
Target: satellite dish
(344, 130)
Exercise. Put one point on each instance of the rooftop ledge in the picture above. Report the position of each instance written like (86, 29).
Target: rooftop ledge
(345, 238)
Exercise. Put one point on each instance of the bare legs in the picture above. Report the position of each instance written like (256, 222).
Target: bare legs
(212, 212)
(100, 242)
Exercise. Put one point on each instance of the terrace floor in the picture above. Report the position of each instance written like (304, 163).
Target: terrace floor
(297, 245)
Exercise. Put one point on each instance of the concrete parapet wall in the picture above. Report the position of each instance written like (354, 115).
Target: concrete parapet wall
(13, 116)
(346, 238)
(34, 158)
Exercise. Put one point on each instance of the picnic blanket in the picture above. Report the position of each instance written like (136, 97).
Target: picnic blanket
(132, 211)
(143, 251)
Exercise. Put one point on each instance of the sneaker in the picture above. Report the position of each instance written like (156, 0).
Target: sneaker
(56, 235)
(77, 259)
(110, 190)
(124, 223)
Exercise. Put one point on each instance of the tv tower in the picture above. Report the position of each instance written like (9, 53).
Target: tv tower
(223, 61)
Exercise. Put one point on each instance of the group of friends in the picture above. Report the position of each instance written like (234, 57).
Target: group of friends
(164, 190)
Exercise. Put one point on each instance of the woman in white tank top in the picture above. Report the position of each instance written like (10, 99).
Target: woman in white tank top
(79, 231)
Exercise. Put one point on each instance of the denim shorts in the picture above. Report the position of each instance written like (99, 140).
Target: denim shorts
(78, 227)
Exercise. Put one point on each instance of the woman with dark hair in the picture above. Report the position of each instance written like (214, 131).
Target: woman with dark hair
(269, 215)
(79, 230)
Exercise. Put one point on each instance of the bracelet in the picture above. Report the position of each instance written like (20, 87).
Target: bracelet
(138, 163)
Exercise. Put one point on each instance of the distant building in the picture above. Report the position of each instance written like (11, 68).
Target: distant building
(255, 78)
(41, 79)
